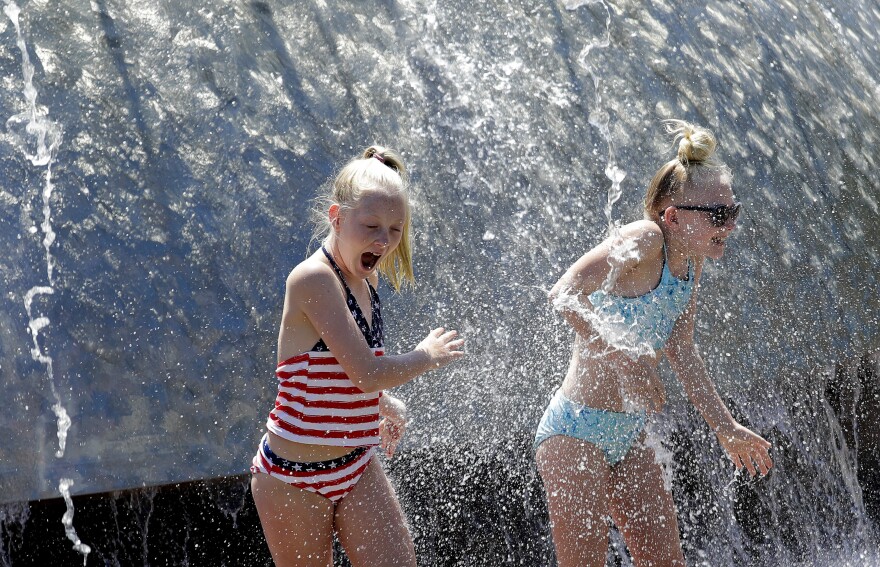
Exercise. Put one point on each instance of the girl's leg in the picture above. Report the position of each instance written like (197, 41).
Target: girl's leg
(298, 524)
(370, 524)
(575, 476)
(643, 510)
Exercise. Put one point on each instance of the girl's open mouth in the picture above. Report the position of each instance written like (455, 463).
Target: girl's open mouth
(369, 260)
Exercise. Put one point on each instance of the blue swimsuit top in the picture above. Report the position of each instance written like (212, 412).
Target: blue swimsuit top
(649, 318)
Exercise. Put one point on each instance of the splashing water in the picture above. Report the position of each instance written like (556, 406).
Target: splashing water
(654, 435)
(67, 520)
(612, 327)
(618, 333)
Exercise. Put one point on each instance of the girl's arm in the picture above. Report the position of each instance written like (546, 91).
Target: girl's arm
(314, 290)
(744, 447)
(589, 272)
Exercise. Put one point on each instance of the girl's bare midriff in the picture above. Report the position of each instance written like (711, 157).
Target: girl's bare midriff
(305, 453)
(593, 379)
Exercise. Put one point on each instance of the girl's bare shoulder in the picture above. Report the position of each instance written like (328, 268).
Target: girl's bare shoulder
(311, 274)
(646, 234)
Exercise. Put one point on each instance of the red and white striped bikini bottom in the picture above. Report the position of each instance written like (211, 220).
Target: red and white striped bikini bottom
(332, 479)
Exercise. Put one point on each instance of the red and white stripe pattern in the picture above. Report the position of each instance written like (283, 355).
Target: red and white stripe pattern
(333, 484)
(318, 404)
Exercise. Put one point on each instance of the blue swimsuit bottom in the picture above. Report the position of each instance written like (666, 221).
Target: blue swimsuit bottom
(613, 432)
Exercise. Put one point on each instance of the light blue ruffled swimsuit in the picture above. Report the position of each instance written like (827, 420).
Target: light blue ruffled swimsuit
(649, 319)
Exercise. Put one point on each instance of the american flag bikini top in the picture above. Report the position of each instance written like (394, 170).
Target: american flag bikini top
(373, 336)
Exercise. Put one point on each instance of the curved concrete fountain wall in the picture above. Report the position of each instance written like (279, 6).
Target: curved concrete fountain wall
(194, 135)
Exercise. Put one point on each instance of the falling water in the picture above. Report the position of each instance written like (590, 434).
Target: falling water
(599, 118)
(38, 138)
(614, 330)
(67, 520)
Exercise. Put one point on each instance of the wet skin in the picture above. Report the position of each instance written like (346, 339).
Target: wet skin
(603, 379)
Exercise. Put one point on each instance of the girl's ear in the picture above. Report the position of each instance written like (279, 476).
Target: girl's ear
(671, 215)
(333, 214)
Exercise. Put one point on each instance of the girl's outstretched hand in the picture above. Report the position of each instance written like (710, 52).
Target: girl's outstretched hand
(745, 448)
(441, 346)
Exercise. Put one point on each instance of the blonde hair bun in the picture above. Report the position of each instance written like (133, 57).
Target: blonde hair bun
(695, 161)
(695, 144)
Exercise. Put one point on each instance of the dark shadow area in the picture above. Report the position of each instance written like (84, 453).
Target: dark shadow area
(465, 506)
(853, 393)
(210, 522)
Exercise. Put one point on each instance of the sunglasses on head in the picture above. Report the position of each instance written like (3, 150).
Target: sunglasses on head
(720, 215)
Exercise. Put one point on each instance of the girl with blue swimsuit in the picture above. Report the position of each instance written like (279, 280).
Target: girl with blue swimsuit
(590, 450)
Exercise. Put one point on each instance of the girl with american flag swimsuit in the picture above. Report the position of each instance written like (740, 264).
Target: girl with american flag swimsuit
(315, 473)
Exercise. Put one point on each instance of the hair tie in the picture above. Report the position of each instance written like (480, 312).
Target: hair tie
(378, 157)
